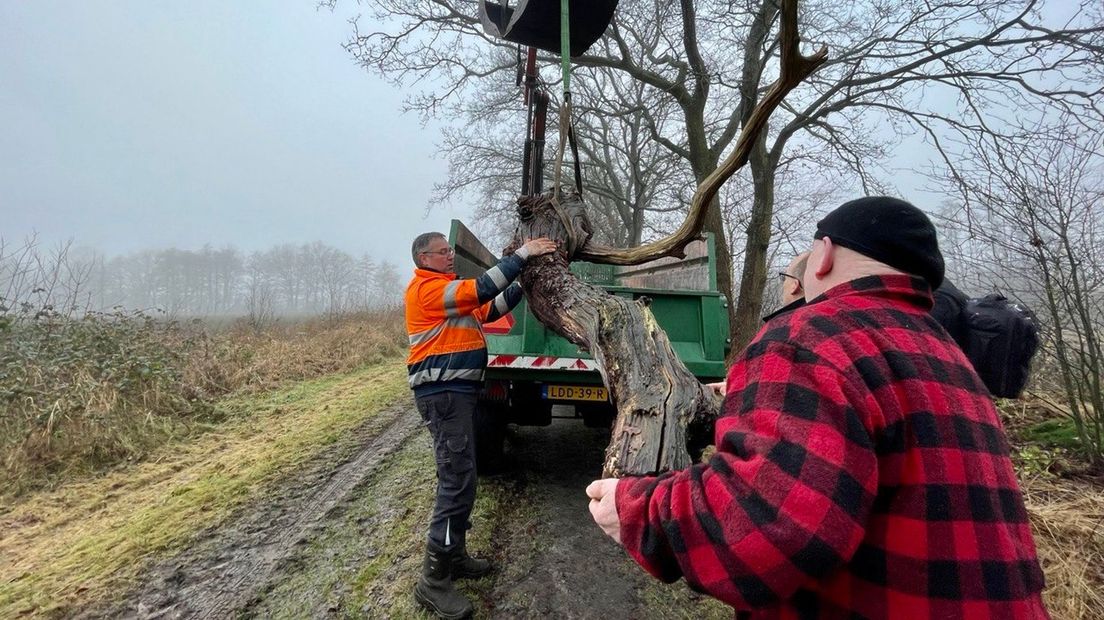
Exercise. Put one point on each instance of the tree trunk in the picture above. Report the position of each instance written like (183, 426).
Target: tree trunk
(714, 223)
(753, 280)
(655, 395)
(749, 304)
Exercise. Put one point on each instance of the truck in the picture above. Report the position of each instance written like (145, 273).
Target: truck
(531, 369)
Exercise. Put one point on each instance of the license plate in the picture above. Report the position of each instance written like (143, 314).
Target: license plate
(575, 392)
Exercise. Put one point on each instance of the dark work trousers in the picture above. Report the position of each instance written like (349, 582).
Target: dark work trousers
(448, 416)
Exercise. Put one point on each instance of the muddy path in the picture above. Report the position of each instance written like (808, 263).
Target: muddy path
(344, 537)
(555, 562)
(225, 568)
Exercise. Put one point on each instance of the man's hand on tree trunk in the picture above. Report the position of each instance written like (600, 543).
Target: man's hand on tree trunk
(539, 247)
(718, 388)
(603, 506)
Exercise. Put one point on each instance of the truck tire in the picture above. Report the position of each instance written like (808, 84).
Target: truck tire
(527, 406)
(490, 437)
(596, 415)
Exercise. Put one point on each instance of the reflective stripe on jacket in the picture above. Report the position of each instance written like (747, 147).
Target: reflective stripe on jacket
(444, 317)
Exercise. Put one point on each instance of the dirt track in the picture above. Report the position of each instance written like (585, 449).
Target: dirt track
(343, 538)
(226, 567)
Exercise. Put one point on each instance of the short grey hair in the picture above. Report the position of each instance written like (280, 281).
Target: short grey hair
(421, 242)
(801, 264)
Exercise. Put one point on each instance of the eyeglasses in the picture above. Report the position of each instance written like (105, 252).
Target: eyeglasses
(784, 275)
(441, 252)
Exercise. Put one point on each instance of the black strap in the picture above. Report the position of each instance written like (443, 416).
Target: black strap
(575, 156)
(520, 67)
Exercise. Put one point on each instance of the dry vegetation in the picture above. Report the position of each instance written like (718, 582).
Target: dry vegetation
(79, 395)
(242, 358)
(88, 538)
(1068, 520)
(1065, 499)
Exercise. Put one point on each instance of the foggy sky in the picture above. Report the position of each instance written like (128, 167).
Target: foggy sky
(134, 125)
(137, 125)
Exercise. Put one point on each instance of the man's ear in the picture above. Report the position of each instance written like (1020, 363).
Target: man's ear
(796, 287)
(827, 259)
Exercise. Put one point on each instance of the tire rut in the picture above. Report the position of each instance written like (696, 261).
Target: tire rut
(228, 566)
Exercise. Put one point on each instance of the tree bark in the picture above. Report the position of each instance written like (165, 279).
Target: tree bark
(747, 309)
(655, 395)
(753, 281)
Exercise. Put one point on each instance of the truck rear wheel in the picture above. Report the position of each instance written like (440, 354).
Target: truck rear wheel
(596, 415)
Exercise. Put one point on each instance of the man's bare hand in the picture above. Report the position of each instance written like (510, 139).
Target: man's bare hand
(718, 388)
(603, 506)
(540, 247)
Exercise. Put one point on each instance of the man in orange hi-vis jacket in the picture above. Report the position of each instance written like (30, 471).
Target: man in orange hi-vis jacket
(448, 354)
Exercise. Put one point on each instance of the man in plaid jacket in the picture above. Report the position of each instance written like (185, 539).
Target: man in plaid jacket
(861, 469)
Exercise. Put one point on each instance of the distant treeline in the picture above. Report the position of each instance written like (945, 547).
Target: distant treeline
(287, 279)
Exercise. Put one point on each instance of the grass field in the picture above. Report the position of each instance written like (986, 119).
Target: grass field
(89, 538)
(81, 395)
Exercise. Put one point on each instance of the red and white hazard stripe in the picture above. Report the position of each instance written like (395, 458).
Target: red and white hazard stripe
(541, 362)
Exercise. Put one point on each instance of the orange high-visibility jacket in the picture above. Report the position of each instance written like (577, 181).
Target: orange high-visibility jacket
(444, 320)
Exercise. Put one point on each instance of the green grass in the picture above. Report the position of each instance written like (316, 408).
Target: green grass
(365, 562)
(677, 600)
(1053, 433)
(505, 510)
(78, 543)
(383, 586)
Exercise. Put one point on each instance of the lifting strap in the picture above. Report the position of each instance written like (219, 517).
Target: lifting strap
(567, 135)
(565, 47)
(567, 128)
(536, 99)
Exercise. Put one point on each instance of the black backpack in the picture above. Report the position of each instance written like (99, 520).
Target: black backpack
(999, 337)
(950, 311)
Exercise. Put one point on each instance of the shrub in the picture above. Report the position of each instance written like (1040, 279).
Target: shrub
(81, 394)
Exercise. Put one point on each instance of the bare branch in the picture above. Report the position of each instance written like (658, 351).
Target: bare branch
(795, 67)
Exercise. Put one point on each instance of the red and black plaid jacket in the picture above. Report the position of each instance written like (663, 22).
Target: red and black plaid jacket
(861, 472)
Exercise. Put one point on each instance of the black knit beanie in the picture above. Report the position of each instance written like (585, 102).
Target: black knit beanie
(890, 231)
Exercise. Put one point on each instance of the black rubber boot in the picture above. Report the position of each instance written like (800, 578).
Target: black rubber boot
(435, 591)
(465, 566)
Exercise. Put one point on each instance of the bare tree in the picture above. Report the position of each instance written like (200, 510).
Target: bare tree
(1036, 202)
(628, 174)
(259, 294)
(388, 286)
(43, 282)
(337, 272)
(366, 269)
(895, 69)
(656, 397)
(17, 270)
(286, 279)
